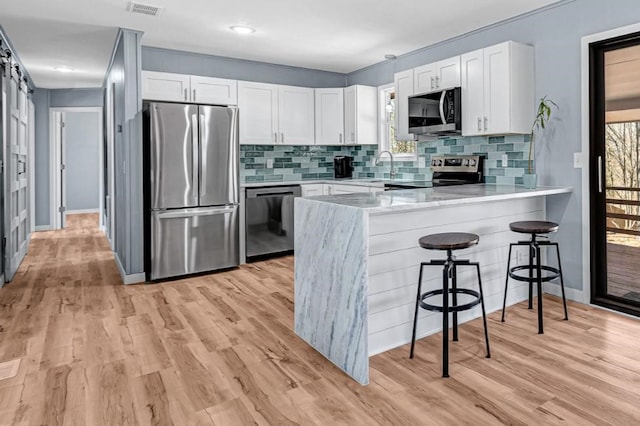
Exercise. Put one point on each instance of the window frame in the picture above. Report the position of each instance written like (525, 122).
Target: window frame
(383, 124)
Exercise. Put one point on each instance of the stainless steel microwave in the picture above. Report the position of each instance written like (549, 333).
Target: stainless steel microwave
(436, 113)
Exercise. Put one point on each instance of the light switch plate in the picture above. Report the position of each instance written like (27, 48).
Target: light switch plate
(269, 163)
(505, 160)
(422, 162)
(577, 160)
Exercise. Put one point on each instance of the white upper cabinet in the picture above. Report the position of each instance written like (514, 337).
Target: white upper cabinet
(437, 76)
(272, 114)
(162, 86)
(296, 115)
(208, 90)
(329, 116)
(361, 115)
(404, 84)
(258, 116)
(497, 90)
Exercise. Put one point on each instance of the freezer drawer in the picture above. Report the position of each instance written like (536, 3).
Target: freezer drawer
(189, 241)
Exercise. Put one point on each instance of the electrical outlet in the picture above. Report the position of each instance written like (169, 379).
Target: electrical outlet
(269, 163)
(505, 160)
(422, 163)
(577, 160)
(520, 258)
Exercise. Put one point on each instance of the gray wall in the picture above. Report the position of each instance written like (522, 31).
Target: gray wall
(43, 100)
(82, 160)
(124, 74)
(556, 34)
(155, 59)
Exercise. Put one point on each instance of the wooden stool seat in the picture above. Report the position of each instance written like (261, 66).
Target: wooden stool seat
(448, 241)
(534, 227)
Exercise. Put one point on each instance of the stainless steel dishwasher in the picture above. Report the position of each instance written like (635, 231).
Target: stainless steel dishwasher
(269, 220)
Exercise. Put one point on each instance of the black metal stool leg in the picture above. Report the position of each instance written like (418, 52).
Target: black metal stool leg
(564, 299)
(484, 313)
(539, 281)
(531, 255)
(454, 300)
(506, 282)
(445, 322)
(415, 317)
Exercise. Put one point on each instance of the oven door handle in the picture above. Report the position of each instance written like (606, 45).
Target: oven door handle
(255, 193)
(442, 98)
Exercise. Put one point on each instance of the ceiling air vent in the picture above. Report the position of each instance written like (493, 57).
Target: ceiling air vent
(145, 9)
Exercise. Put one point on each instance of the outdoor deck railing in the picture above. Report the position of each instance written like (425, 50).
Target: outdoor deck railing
(631, 221)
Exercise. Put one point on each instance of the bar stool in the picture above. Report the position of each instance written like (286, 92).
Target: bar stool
(535, 228)
(449, 241)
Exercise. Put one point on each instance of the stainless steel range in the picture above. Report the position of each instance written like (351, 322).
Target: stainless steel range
(448, 170)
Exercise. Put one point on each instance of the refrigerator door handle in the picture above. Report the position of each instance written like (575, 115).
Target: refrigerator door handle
(195, 156)
(204, 146)
(176, 214)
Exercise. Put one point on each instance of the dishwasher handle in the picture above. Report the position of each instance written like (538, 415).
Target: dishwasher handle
(296, 191)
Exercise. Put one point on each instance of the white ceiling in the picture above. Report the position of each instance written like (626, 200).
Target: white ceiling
(332, 35)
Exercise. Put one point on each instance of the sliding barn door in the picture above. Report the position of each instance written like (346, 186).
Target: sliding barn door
(16, 182)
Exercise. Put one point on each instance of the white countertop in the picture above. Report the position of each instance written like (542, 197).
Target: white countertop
(416, 199)
(346, 181)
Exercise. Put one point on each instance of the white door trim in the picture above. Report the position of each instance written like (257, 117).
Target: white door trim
(31, 160)
(55, 155)
(586, 196)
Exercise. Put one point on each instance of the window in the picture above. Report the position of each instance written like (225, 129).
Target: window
(401, 150)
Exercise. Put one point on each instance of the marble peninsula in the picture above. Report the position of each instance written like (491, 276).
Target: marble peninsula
(357, 257)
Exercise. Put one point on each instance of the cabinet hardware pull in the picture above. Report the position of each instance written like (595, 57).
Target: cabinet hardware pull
(281, 137)
(185, 94)
(600, 174)
(479, 124)
(432, 82)
(340, 137)
(437, 81)
(194, 95)
(486, 123)
(275, 137)
(353, 136)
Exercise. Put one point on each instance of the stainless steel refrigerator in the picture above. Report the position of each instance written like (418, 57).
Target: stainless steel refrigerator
(193, 188)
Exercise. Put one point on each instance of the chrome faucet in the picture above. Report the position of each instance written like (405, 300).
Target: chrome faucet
(392, 172)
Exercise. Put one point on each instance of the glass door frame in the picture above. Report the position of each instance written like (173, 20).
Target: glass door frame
(597, 175)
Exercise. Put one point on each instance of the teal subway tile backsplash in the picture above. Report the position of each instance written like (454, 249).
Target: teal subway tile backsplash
(296, 163)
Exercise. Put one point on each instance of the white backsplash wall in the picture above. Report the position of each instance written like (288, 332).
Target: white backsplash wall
(295, 163)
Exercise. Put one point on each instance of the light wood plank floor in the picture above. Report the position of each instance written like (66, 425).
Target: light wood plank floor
(220, 349)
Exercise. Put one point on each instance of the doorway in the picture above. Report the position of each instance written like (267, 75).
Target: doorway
(614, 68)
(76, 169)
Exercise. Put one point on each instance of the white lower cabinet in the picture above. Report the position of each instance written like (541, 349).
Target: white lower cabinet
(315, 189)
(312, 189)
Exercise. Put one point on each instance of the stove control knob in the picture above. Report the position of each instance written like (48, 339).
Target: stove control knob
(465, 162)
(440, 162)
(433, 162)
(472, 162)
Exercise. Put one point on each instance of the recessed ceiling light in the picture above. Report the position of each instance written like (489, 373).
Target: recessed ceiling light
(241, 29)
(390, 56)
(63, 69)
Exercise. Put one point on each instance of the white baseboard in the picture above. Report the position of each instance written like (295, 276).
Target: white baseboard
(128, 278)
(40, 228)
(571, 293)
(82, 211)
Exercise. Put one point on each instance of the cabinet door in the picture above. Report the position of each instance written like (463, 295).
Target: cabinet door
(366, 115)
(312, 190)
(258, 115)
(296, 115)
(497, 86)
(472, 74)
(448, 73)
(350, 114)
(163, 86)
(219, 91)
(403, 82)
(424, 79)
(329, 116)
(349, 189)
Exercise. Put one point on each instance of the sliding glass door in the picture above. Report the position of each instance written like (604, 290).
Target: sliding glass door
(615, 173)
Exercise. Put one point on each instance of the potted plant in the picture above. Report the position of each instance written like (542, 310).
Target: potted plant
(542, 118)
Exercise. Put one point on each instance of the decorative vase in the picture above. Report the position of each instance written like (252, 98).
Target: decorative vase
(530, 180)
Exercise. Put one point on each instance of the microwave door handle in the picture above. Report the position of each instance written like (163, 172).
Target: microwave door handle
(442, 97)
